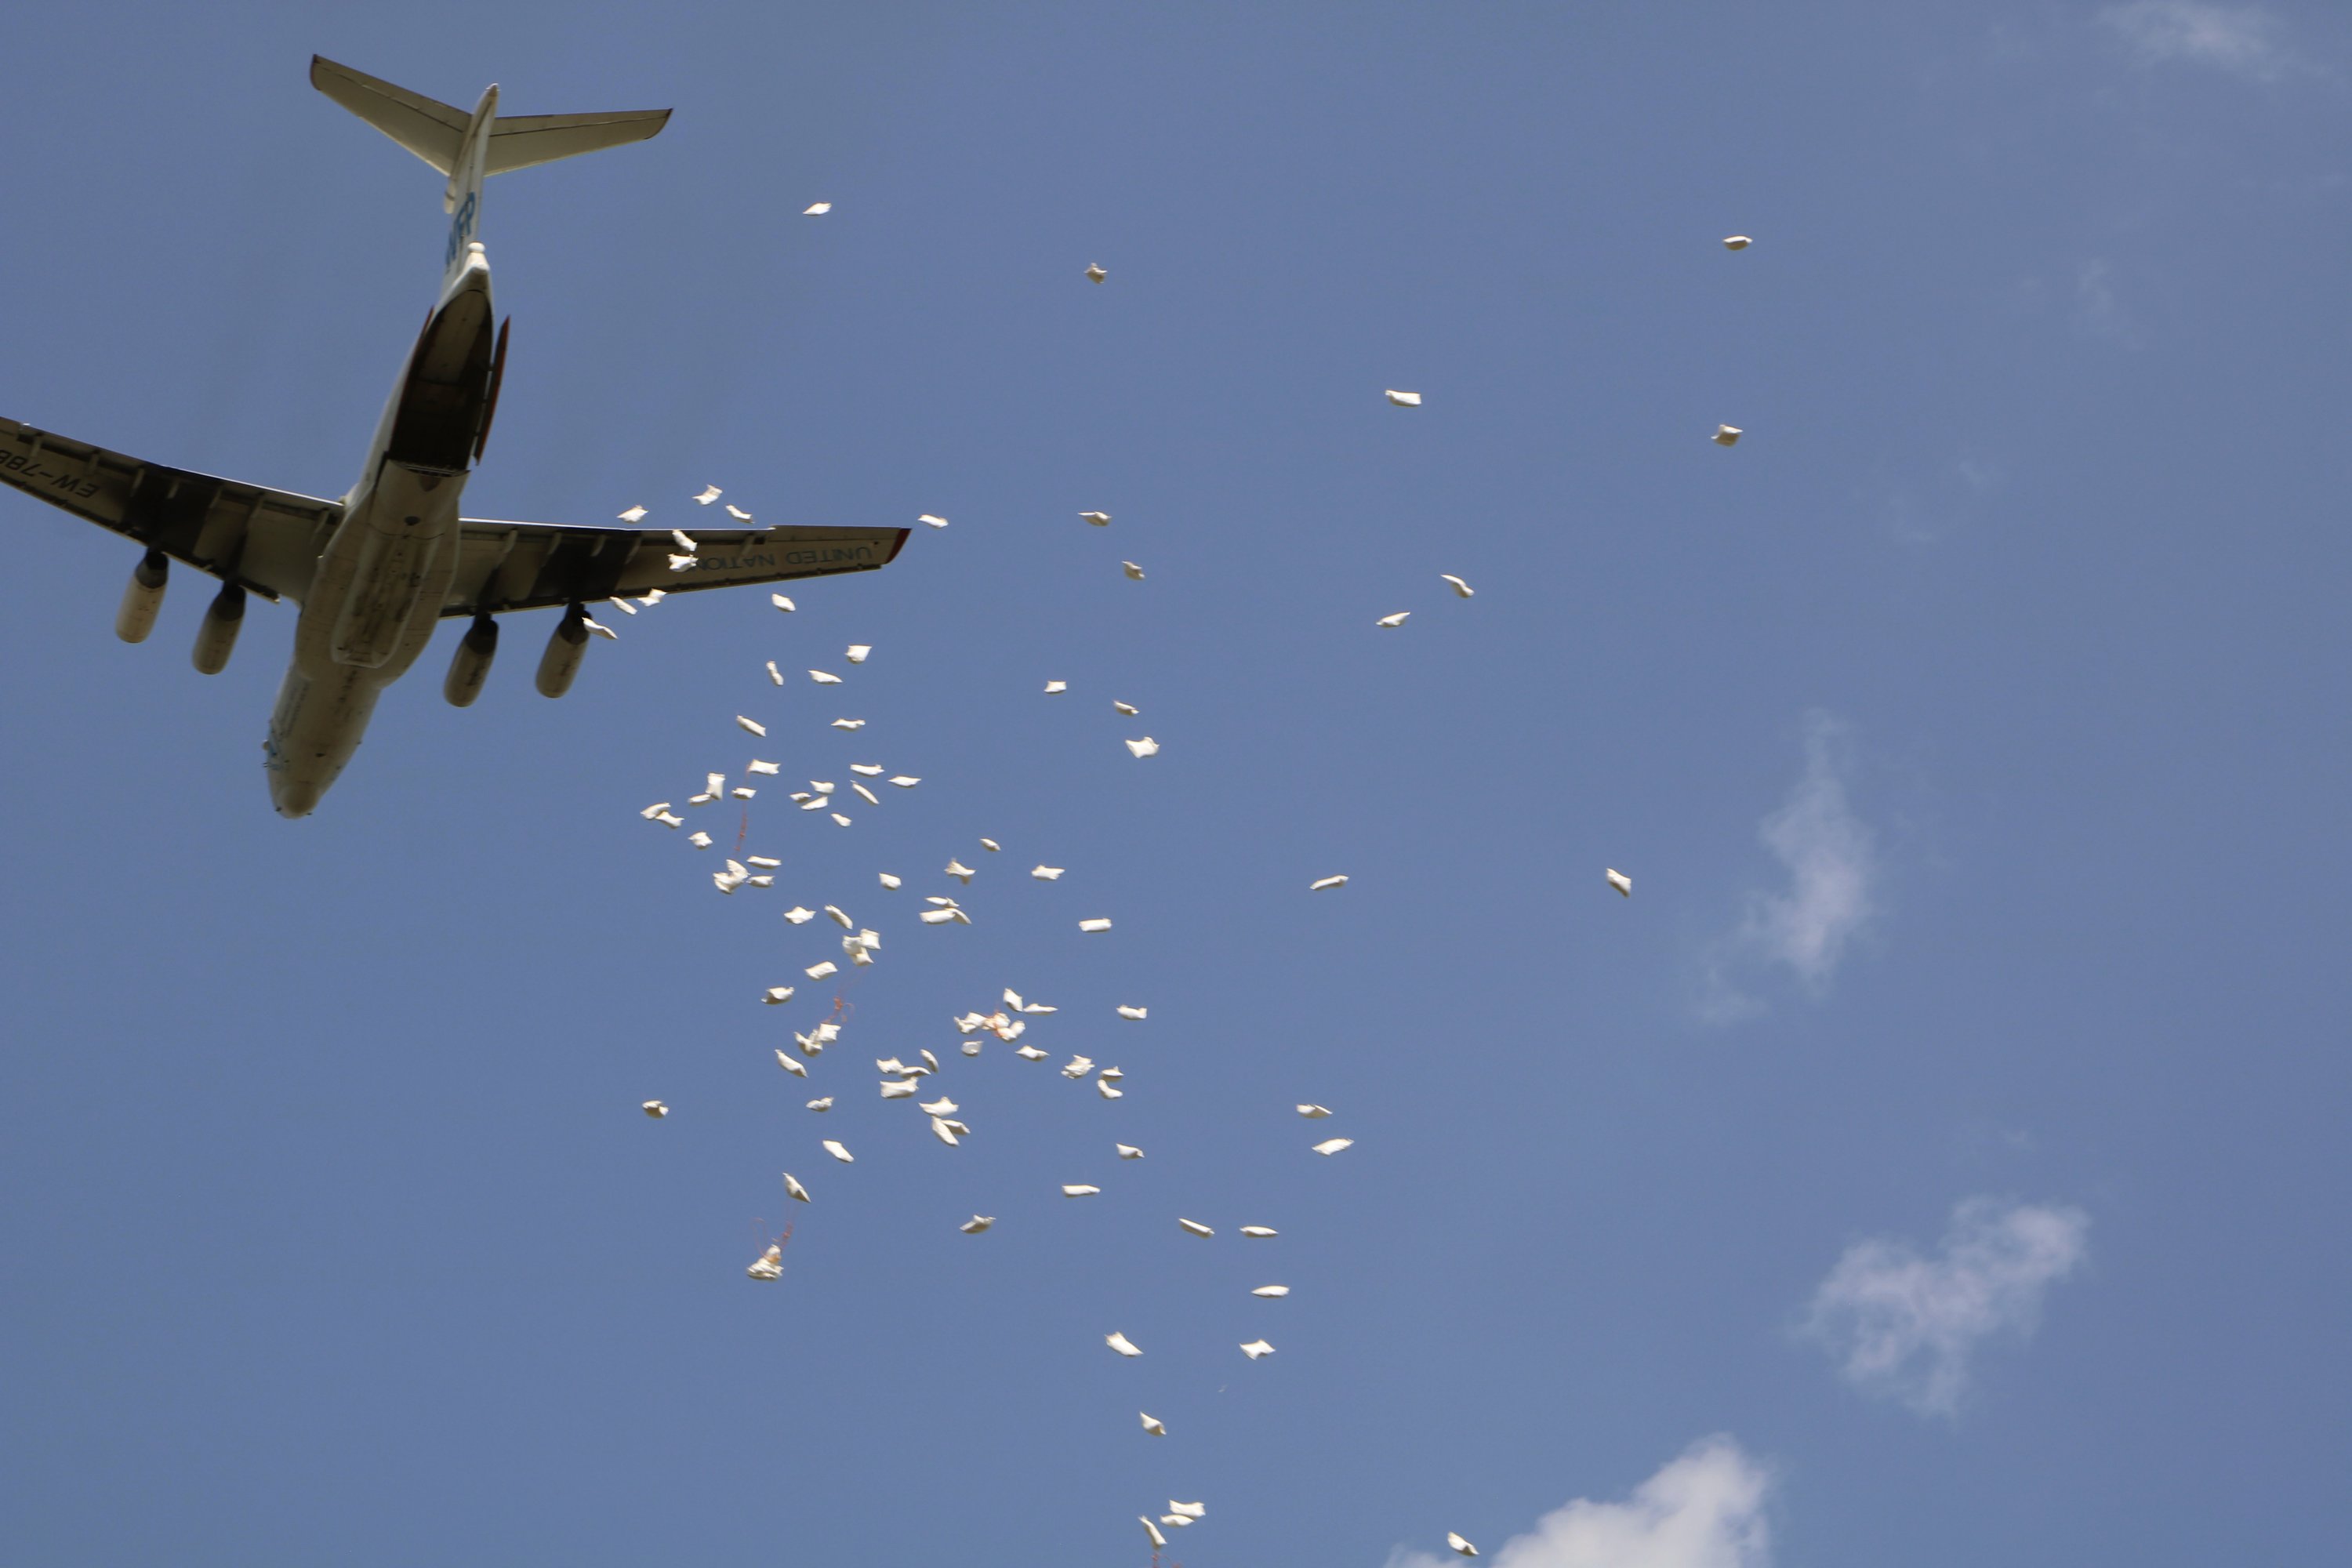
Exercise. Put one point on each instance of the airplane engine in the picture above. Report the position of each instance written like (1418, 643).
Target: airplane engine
(471, 667)
(217, 638)
(565, 648)
(143, 597)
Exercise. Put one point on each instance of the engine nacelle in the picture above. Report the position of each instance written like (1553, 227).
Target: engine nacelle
(217, 638)
(471, 667)
(143, 597)
(565, 648)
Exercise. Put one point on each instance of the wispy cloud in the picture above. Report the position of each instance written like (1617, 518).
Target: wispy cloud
(2098, 314)
(1934, 498)
(1832, 860)
(1705, 1510)
(1903, 1326)
(2240, 39)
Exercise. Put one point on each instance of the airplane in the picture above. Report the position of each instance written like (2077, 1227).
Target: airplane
(375, 570)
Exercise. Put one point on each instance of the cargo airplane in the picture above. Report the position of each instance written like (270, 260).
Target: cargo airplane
(374, 572)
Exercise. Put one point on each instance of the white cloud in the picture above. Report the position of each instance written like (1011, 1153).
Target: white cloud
(1832, 859)
(2097, 312)
(1705, 1510)
(1937, 500)
(1904, 1326)
(2240, 39)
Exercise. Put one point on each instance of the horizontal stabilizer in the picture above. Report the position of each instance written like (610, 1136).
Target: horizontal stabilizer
(520, 141)
(435, 131)
(431, 129)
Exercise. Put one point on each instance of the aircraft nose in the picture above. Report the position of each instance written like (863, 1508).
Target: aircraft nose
(293, 798)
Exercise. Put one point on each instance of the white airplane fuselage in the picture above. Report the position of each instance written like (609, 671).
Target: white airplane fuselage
(385, 571)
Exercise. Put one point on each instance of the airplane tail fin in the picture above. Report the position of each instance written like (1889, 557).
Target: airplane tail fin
(470, 147)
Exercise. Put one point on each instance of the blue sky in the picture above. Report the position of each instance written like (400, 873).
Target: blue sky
(1938, 1159)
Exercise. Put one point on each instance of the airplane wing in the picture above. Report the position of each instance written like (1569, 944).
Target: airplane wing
(529, 565)
(264, 539)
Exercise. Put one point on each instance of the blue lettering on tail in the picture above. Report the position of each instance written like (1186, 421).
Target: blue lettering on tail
(461, 227)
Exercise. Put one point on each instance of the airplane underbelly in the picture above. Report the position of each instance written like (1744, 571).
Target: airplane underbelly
(388, 579)
(384, 576)
(317, 726)
(373, 605)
